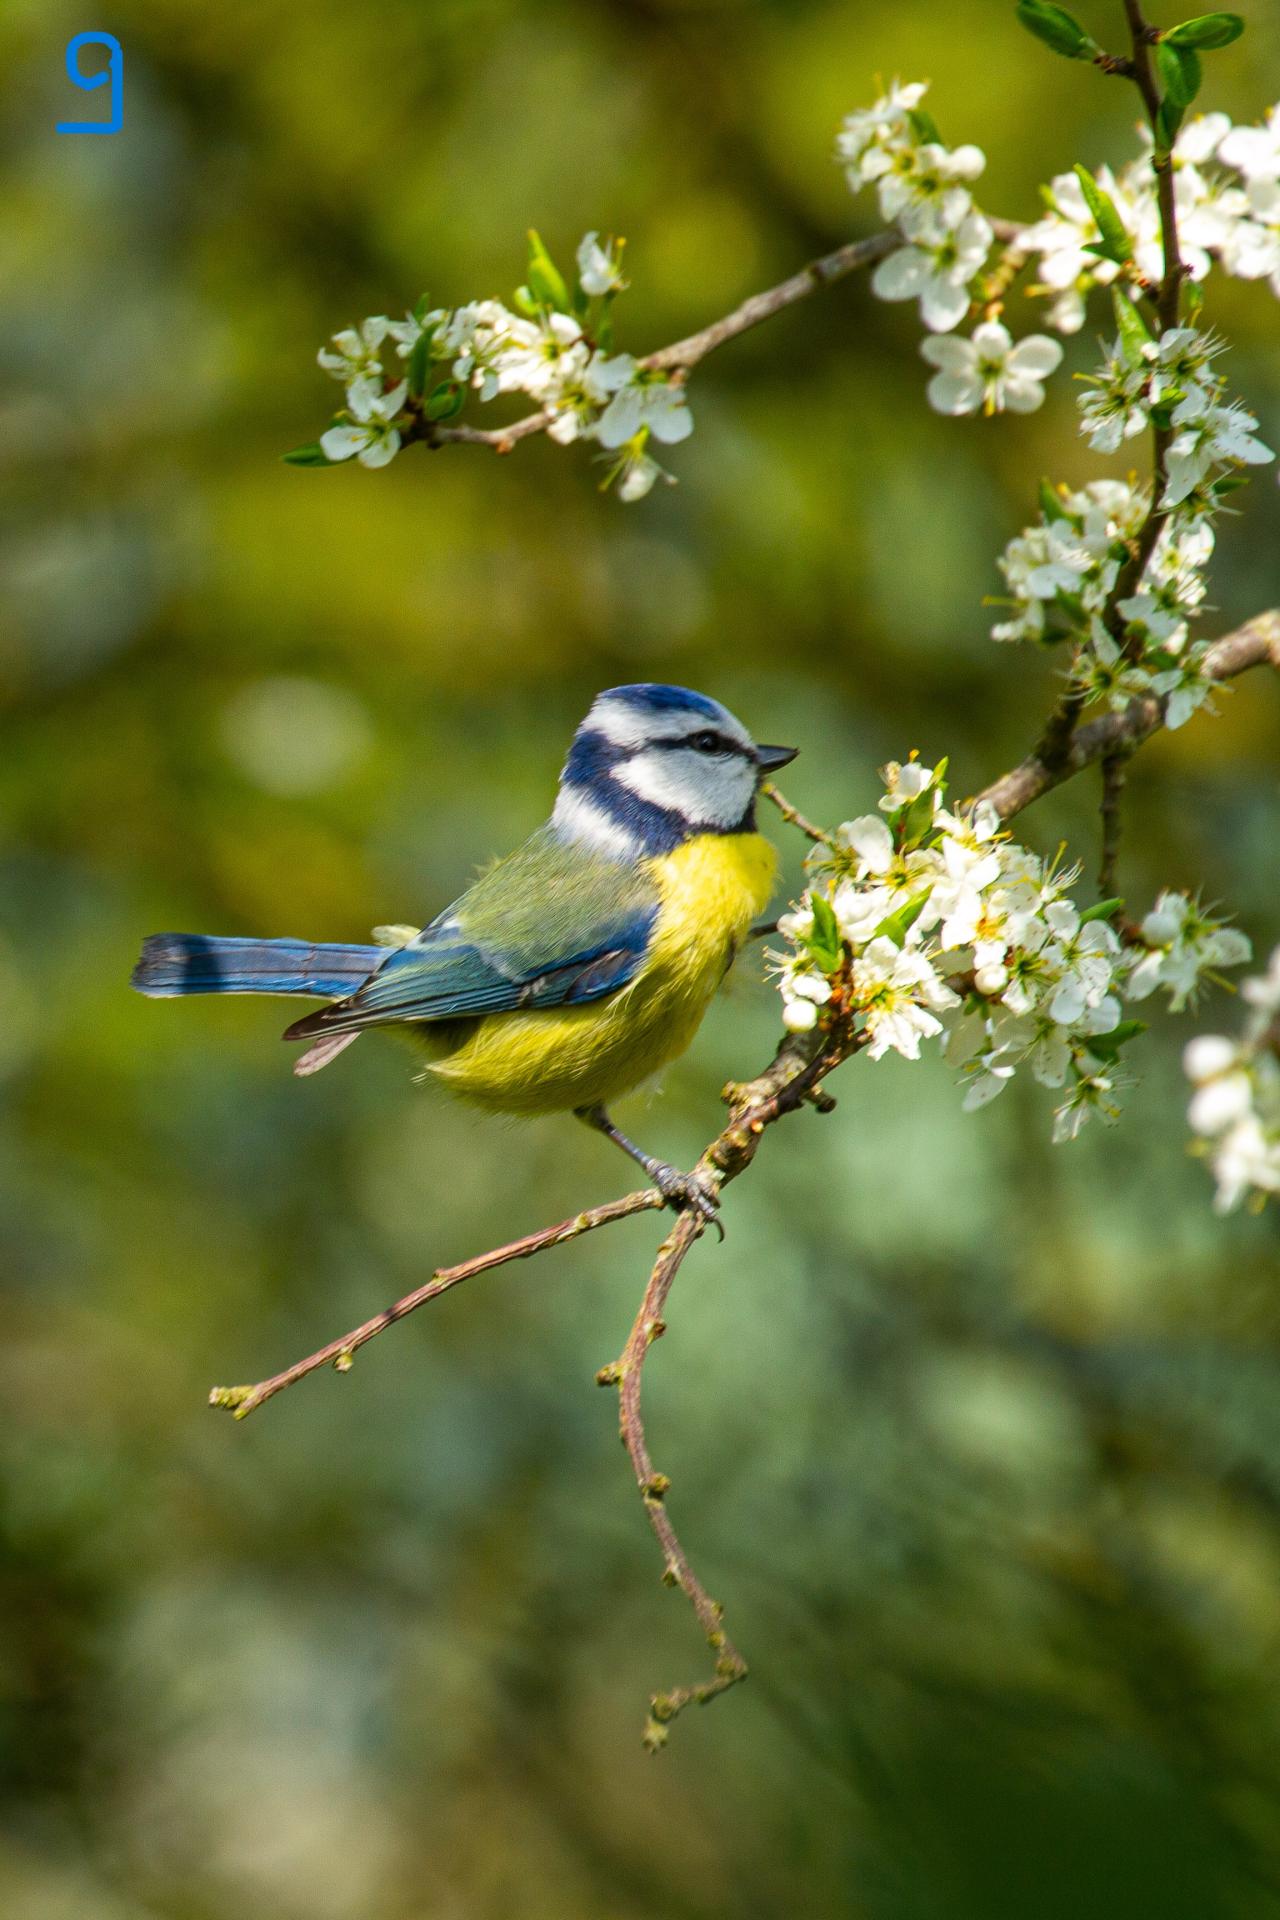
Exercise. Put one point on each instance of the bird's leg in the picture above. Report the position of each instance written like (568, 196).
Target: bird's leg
(677, 1189)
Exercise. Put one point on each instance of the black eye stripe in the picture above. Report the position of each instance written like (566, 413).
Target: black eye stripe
(705, 740)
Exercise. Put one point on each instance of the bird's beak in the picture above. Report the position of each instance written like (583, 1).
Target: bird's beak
(769, 759)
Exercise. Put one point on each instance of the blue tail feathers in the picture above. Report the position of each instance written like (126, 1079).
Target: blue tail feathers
(177, 963)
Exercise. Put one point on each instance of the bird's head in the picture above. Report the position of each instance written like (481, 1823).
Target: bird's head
(652, 765)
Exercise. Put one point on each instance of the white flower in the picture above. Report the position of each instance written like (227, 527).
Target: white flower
(540, 358)
(928, 178)
(1117, 407)
(1263, 993)
(1091, 1094)
(637, 475)
(1206, 436)
(649, 402)
(937, 269)
(895, 988)
(584, 388)
(600, 267)
(1254, 151)
(356, 353)
(1183, 943)
(407, 332)
(884, 122)
(905, 781)
(871, 840)
(372, 437)
(989, 371)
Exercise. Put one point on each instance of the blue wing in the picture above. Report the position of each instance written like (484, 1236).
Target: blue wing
(551, 926)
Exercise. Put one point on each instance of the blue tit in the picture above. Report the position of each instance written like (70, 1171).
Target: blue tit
(575, 968)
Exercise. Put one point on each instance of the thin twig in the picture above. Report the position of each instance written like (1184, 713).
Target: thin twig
(1113, 777)
(794, 817)
(1256, 643)
(242, 1401)
(792, 1079)
(683, 355)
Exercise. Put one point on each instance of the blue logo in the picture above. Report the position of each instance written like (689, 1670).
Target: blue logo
(87, 82)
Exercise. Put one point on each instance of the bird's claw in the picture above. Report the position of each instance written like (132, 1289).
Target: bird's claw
(687, 1190)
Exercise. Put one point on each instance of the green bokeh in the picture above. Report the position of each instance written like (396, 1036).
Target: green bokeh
(977, 1438)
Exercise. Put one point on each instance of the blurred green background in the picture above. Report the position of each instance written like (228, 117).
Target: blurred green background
(978, 1439)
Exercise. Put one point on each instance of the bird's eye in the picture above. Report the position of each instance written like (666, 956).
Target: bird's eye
(707, 742)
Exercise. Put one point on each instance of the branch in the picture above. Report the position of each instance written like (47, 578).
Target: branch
(1055, 742)
(683, 355)
(795, 818)
(1113, 778)
(1255, 644)
(242, 1401)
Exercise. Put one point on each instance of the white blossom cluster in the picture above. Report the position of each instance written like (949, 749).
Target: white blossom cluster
(1172, 379)
(552, 350)
(1235, 1109)
(924, 189)
(1061, 573)
(1227, 194)
(927, 920)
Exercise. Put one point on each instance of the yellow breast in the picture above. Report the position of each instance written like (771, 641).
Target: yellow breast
(711, 890)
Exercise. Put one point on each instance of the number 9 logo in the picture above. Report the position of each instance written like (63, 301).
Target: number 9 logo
(87, 82)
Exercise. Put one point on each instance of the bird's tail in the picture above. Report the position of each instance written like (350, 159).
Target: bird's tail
(177, 963)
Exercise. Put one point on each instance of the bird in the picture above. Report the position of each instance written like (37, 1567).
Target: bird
(576, 968)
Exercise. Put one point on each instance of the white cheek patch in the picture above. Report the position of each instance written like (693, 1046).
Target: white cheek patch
(578, 818)
(702, 790)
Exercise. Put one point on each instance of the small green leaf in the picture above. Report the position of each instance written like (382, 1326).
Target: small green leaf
(916, 821)
(924, 126)
(1115, 243)
(1051, 502)
(420, 306)
(1207, 32)
(1168, 120)
(1135, 335)
(445, 401)
(1101, 910)
(825, 942)
(896, 926)
(312, 455)
(1179, 71)
(419, 361)
(546, 282)
(1107, 1045)
(1057, 28)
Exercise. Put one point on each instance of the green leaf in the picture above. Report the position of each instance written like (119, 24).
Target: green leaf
(924, 126)
(1051, 502)
(1135, 335)
(419, 361)
(1101, 910)
(312, 455)
(546, 282)
(1107, 1045)
(825, 942)
(1115, 243)
(420, 306)
(896, 926)
(1207, 32)
(445, 401)
(1168, 120)
(1179, 71)
(1057, 28)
